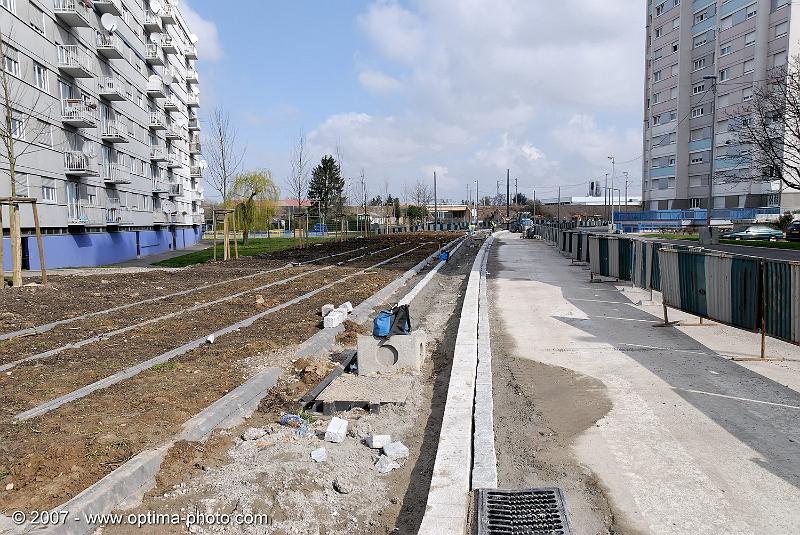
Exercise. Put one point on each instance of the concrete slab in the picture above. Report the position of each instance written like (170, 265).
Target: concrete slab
(402, 353)
(358, 388)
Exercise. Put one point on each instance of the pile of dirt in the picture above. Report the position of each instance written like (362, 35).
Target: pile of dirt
(352, 331)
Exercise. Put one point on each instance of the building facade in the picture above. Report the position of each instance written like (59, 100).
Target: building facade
(104, 107)
(689, 41)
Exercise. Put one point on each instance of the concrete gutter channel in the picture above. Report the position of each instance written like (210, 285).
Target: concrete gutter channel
(465, 457)
(128, 483)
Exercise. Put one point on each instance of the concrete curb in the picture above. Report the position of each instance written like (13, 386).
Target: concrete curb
(448, 497)
(484, 461)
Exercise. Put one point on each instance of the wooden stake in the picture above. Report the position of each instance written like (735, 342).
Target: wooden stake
(2, 269)
(214, 228)
(225, 238)
(39, 244)
(16, 246)
(235, 238)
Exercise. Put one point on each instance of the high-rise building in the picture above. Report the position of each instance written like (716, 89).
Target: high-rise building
(691, 45)
(104, 98)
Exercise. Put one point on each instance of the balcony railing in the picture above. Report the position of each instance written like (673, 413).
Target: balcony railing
(74, 13)
(155, 88)
(198, 219)
(171, 103)
(169, 44)
(175, 190)
(81, 213)
(114, 131)
(190, 51)
(78, 113)
(728, 214)
(109, 88)
(158, 154)
(152, 54)
(157, 121)
(195, 171)
(194, 124)
(194, 147)
(173, 160)
(192, 77)
(76, 163)
(75, 61)
(193, 101)
(152, 22)
(108, 45)
(114, 173)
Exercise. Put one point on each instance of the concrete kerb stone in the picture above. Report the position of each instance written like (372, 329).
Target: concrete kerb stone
(448, 497)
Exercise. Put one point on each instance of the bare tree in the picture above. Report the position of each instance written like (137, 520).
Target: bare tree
(765, 140)
(297, 181)
(23, 125)
(222, 153)
(422, 194)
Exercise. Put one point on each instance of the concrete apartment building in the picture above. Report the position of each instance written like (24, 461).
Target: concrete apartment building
(739, 42)
(108, 104)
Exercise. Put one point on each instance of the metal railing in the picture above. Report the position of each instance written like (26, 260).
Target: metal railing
(114, 128)
(113, 172)
(71, 6)
(156, 119)
(194, 101)
(109, 84)
(732, 214)
(74, 56)
(105, 40)
(83, 213)
(152, 51)
(76, 161)
(78, 110)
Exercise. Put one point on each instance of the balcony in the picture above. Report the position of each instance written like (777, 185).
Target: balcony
(190, 51)
(108, 46)
(169, 44)
(74, 13)
(114, 132)
(160, 187)
(194, 147)
(152, 54)
(82, 214)
(173, 160)
(175, 190)
(113, 173)
(156, 88)
(109, 88)
(158, 154)
(78, 113)
(194, 124)
(162, 218)
(157, 121)
(173, 133)
(152, 22)
(109, 6)
(192, 77)
(74, 61)
(198, 219)
(172, 103)
(168, 14)
(78, 164)
(195, 171)
(193, 101)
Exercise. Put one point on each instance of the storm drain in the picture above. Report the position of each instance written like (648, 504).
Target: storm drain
(526, 511)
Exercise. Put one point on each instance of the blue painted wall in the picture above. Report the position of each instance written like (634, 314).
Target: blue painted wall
(103, 248)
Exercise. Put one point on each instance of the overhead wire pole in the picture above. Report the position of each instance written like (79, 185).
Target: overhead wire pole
(508, 200)
(613, 172)
(605, 198)
(435, 205)
(710, 200)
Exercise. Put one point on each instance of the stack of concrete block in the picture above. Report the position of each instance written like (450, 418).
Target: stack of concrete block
(401, 353)
(333, 317)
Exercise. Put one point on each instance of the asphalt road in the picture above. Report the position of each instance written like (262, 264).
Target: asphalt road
(761, 252)
(692, 443)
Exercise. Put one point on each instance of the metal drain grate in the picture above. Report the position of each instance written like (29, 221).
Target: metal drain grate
(525, 512)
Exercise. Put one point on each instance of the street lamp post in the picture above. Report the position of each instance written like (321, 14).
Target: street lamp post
(710, 200)
(613, 172)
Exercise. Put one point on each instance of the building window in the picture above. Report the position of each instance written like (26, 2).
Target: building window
(700, 17)
(675, 47)
(781, 29)
(750, 39)
(724, 74)
(659, 32)
(694, 203)
(40, 77)
(696, 159)
(37, 19)
(773, 199)
(657, 76)
(699, 64)
(699, 88)
(45, 134)
(726, 23)
(9, 5)
(749, 66)
(49, 193)
(11, 60)
(779, 59)
(747, 94)
(671, 161)
(659, 9)
(725, 50)
(751, 11)
(698, 112)
(700, 41)
(676, 23)
(17, 128)
(656, 98)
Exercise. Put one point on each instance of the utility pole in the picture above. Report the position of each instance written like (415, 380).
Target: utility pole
(625, 173)
(534, 206)
(497, 193)
(516, 193)
(435, 205)
(558, 210)
(710, 201)
(613, 172)
(605, 198)
(508, 200)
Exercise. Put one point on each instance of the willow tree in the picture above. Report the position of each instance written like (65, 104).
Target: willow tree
(256, 198)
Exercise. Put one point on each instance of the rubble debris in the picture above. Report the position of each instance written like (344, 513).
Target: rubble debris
(396, 451)
(254, 433)
(386, 465)
(337, 430)
(334, 318)
(377, 442)
(341, 486)
(259, 299)
(210, 339)
(320, 455)
(327, 309)
(347, 305)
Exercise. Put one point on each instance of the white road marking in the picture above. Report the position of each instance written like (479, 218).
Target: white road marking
(739, 399)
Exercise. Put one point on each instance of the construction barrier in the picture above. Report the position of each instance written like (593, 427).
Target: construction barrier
(646, 267)
(611, 256)
(781, 300)
(721, 287)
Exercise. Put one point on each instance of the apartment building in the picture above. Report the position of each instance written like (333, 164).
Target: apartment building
(105, 112)
(688, 41)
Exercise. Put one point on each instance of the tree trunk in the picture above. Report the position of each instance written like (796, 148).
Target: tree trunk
(2, 269)
(16, 246)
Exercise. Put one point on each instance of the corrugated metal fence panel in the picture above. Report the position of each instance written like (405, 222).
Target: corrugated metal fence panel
(625, 258)
(613, 257)
(594, 254)
(576, 245)
(585, 248)
(781, 296)
(640, 276)
(655, 266)
(745, 293)
(692, 276)
(670, 277)
(718, 287)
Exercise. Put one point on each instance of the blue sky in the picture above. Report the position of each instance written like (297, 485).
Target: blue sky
(467, 88)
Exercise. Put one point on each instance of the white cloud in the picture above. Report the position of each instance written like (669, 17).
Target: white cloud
(209, 47)
(378, 82)
(548, 89)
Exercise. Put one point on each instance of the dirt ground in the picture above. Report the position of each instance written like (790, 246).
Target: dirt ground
(53, 457)
(274, 474)
(539, 411)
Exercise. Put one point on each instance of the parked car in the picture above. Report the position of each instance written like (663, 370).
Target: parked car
(753, 232)
(793, 232)
(319, 227)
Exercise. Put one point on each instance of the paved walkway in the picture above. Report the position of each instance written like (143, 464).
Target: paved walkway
(693, 442)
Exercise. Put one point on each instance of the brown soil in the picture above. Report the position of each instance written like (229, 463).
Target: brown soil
(352, 331)
(53, 457)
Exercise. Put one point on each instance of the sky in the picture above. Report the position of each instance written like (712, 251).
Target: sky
(467, 88)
